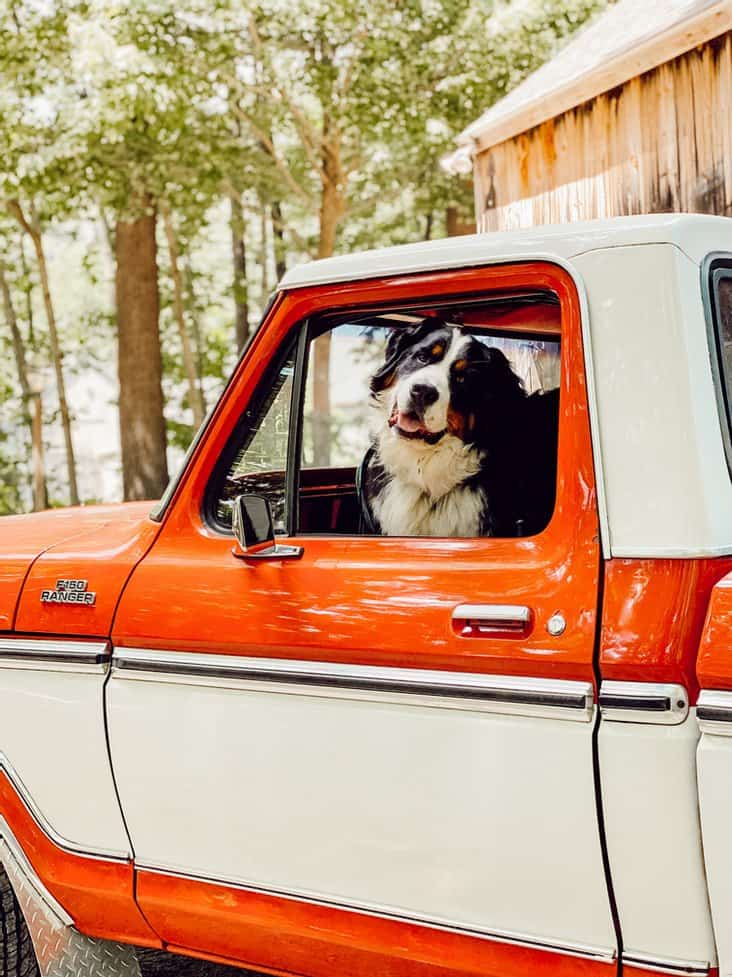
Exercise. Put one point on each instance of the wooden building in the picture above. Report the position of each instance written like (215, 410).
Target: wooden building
(633, 115)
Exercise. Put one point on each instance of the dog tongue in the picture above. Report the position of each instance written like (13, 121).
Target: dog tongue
(407, 422)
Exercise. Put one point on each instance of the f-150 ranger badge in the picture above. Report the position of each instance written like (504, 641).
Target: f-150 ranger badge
(69, 592)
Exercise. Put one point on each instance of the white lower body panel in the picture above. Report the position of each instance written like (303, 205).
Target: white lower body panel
(53, 748)
(714, 760)
(649, 794)
(450, 815)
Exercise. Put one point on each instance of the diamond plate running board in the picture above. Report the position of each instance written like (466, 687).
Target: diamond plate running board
(62, 951)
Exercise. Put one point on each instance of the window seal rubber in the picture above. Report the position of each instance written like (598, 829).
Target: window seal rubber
(717, 266)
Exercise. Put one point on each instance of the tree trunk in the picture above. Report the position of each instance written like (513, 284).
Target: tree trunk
(331, 210)
(195, 394)
(33, 229)
(142, 422)
(239, 258)
(31, 399)
(28, 293)
(109, 251)
(264, 254)
(278, 231)
(196, 326)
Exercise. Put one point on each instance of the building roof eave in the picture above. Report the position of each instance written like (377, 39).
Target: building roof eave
(497, 124)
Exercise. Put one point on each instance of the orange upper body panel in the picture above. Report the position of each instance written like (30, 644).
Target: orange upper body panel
(99, 544)
(652, 618)
(24, 538)
(714, 665)
(383, 601)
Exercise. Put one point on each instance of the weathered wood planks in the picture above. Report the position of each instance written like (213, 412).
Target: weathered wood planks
(660, 142)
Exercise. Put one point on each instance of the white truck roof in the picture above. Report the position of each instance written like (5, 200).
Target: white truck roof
(694, 234)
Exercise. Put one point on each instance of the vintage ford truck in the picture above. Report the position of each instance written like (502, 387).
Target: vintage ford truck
(335, 753)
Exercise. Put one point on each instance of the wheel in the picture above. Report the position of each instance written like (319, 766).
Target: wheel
(17, 957)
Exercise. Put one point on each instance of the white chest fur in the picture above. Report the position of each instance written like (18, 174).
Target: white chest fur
(426, 495)
(405, 510)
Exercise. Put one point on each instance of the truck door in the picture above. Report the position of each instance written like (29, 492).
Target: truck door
(383, 749)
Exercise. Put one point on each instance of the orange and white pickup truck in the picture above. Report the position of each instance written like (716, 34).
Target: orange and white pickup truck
(262, 726)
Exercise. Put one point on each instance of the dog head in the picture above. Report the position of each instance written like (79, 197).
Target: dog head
(438, 381)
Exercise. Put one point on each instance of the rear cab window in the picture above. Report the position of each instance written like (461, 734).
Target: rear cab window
(717, 290)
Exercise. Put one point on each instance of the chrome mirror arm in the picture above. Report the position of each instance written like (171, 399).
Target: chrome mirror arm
(254, 531)
(279, 551)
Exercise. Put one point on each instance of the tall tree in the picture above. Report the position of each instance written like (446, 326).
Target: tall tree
(29, 179)
(31, 397)
(31, 225)
(195, 394)
(237, 227)
(141, 419)
(145, 147)
(280, 245)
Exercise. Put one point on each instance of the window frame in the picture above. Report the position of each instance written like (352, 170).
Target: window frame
(299, 340)
(716, 267)
(294, 344)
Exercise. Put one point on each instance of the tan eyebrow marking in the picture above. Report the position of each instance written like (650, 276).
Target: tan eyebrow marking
(438, 349)
(460, 365)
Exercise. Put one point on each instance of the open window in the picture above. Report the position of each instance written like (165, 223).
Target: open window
(304, 442)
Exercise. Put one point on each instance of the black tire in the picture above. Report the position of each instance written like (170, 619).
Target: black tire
(158, 963)
(17, 957)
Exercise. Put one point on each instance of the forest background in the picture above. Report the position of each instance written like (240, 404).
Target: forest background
(163, 162)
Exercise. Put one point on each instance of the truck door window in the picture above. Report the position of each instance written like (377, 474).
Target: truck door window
(259, 459)
(340, 423)
(309, 450)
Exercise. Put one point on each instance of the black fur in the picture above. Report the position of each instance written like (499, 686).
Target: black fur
(518, 433)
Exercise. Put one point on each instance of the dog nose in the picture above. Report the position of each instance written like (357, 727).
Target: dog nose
(422, 395)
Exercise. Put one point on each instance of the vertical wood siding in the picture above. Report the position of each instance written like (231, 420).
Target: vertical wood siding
(661, 142)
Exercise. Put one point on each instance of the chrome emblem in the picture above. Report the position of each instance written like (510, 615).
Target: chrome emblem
(69, 592)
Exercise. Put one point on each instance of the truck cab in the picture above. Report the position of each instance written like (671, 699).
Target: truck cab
(313, 747)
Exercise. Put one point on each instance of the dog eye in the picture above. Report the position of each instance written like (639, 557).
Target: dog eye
(459, 378)
(423, 355)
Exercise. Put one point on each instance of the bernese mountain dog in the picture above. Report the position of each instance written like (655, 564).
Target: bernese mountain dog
(458, 447)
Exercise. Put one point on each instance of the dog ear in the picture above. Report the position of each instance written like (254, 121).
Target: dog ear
(498, 394)
(399, 340)
(501, 381)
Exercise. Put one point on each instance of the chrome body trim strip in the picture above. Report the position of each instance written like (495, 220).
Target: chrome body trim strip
(45, 826)
(515, 694)
(665, 704)
(714, 711)
(664, 965)
(381, 912)
(39, 652)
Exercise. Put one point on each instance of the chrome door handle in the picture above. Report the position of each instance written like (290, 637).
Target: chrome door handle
(484, 620)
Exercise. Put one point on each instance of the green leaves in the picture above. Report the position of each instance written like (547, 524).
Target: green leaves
(334, 113)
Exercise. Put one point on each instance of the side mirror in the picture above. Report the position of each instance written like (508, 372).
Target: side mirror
(254, 531)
